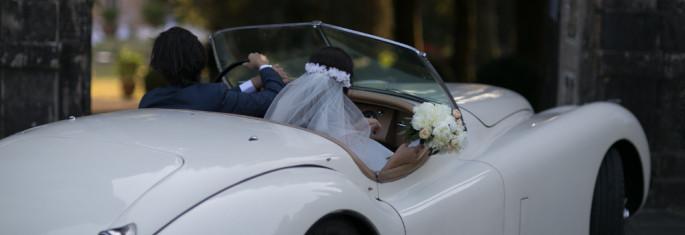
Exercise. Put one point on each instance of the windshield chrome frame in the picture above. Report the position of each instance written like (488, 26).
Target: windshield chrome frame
(317, 26)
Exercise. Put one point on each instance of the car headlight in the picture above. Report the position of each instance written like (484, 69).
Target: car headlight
(129, 229)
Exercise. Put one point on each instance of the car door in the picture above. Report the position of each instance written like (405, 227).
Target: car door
(448, 196)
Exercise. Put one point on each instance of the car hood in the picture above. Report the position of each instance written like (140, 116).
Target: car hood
(489, 104)
(73, 185)
(83, 174)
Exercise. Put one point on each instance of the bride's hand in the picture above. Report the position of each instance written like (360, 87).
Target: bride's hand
(374, 124)
(404, 155)
(282, 73)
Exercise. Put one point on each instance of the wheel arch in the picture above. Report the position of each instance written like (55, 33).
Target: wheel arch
(633, 174)
(360, 222)
(288, 200)
(622, 131)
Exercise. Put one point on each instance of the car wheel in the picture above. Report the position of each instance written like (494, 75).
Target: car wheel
(333, 226)
(608, 200)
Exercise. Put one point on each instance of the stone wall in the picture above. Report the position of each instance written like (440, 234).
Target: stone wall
(45, 53)
(634, 51)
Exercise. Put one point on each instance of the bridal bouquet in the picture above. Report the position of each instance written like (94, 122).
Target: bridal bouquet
(438, 126)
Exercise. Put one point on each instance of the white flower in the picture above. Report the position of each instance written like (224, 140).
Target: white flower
(340, 76)
(425, 133)
(443, 110)
(454, 144)
(421, 120)
(314, 68)
(441, 135)
(441, 124)
(456, 113)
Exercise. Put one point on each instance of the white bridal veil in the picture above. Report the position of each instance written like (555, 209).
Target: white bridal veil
(316, 101)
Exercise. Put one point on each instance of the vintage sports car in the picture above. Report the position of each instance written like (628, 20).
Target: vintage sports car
(578, 169)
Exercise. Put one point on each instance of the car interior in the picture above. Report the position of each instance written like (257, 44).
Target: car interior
(392, 113)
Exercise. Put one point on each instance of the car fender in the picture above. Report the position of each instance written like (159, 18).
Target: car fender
(285, 201)
(549, 163)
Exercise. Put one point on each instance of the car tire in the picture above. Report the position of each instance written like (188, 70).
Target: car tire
(608, 200)
(333, 226)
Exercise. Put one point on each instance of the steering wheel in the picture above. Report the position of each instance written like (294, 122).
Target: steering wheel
(227, 69)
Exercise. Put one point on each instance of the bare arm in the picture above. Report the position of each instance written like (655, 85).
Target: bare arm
(403, 156)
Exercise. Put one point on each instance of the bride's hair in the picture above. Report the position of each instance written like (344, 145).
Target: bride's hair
(334, 57)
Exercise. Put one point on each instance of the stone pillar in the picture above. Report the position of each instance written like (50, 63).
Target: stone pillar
(632, 51)
(45, 53)
(571, 34)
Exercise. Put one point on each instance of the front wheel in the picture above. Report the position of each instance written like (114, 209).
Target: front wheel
(608, 200)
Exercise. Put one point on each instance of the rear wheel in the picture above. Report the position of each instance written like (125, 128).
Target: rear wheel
(608, 200)
(333, 226)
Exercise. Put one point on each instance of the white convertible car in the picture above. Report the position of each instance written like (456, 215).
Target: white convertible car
(568, 170)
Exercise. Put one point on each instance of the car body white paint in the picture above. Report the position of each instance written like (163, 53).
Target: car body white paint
(181, 171)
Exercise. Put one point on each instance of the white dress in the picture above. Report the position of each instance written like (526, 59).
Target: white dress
(316, 101)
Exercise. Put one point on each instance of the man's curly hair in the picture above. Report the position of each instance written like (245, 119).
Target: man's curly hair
(179, 56)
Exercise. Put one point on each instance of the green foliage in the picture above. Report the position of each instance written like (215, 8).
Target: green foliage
(128, 63)
(154, 12)
(110, 14)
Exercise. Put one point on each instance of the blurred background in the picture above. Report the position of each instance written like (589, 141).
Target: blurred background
(62, 58)
(463, 39)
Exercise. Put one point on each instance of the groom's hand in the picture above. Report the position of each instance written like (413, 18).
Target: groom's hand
(255, 60)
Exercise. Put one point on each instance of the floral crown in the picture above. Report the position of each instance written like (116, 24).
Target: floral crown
(340, 76)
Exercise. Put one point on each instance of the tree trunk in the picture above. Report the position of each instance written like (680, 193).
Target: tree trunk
(408, 22)
(465, 40)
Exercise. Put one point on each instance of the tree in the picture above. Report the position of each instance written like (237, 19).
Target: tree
(154, 12)
(374, 16)
(110, 15)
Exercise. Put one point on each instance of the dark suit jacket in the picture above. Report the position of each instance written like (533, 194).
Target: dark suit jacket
(217, 97)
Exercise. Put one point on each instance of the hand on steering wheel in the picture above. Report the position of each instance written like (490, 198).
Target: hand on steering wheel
(228, 68)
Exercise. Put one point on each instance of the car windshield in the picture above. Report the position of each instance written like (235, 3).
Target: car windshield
(381, 65)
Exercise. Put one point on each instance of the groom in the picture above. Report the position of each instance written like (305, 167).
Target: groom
(179, 57)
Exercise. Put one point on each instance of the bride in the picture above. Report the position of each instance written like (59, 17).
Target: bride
(317, 101)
